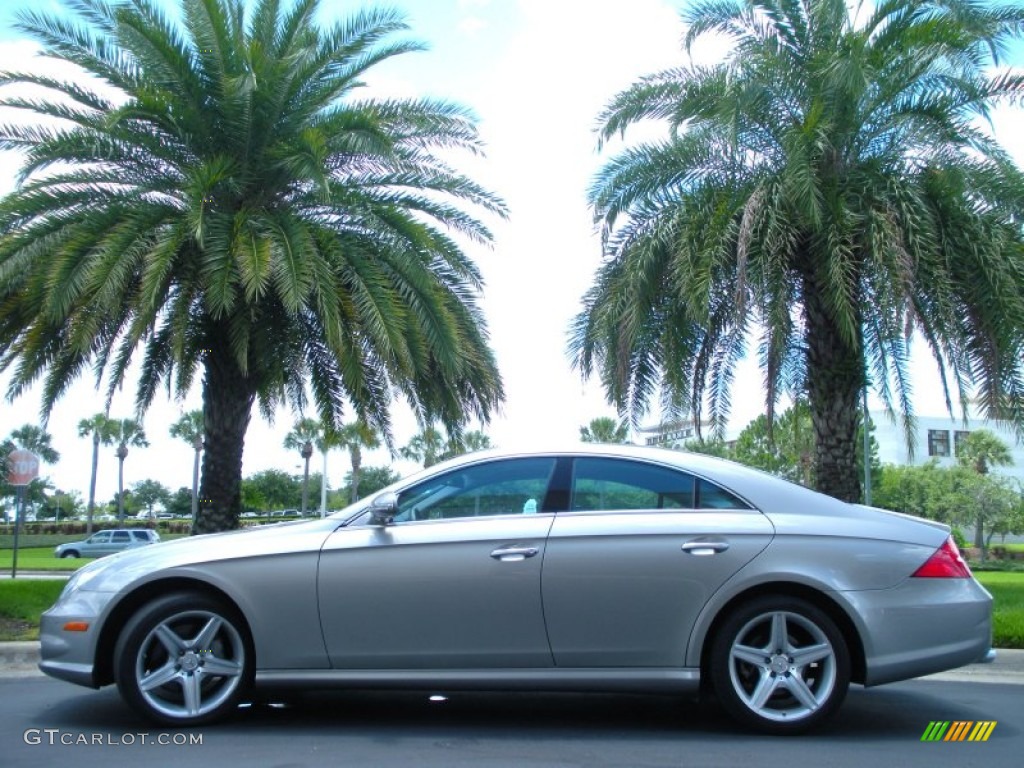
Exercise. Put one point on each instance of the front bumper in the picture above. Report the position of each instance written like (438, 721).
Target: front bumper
(70, 655)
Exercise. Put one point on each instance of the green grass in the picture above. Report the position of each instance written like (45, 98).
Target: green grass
(21, 603)
(39, 559)
(38, 540)
(1008, 618)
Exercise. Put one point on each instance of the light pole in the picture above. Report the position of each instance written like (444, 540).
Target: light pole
(197, 445)
(307, 451)
(867, 449)
(323, 487)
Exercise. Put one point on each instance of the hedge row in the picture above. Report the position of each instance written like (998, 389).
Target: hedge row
(76, 527)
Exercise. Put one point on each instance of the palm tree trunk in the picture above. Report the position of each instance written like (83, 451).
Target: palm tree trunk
(835, 377)
(357, 461)
(92, 481)
(305, 487)
(120, 489)
(227, 406)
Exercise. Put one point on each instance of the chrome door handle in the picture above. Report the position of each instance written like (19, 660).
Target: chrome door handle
(702, 548)
(513, 554)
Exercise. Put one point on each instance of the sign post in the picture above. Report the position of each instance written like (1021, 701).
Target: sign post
(22, 469)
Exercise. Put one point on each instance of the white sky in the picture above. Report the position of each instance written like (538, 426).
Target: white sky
(536, 72)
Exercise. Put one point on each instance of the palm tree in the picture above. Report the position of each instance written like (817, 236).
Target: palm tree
(353, 437)
(427, 447)
(981, 450)
(125, 432)
(827, 188)
(236, 211)
(36, 439)
(99, 428)
(605, 429)
(301, 438)
(473, 440)
(190, 429)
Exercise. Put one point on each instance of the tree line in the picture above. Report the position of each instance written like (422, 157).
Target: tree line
(230, 211)
(269, 490)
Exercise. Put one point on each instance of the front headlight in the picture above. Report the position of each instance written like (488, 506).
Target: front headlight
(79, 579)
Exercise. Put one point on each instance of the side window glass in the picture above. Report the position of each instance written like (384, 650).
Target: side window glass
(510, 487)
(606, 484)
(121, 537)
(100, 538)
(711, 496)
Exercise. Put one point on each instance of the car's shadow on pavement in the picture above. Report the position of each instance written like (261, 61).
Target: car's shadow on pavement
(882, 714)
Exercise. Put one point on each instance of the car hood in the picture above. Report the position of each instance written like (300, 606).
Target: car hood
(111, 573)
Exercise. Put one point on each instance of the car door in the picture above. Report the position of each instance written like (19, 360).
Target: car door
(97, 545)
(453, 582)
(120, 541)
(636, 556)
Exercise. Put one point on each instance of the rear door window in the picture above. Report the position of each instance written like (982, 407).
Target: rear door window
(617, 484)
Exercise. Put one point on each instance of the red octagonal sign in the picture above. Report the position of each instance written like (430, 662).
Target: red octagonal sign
(22, 467)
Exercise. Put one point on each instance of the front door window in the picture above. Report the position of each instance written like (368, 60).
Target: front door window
(515, 487)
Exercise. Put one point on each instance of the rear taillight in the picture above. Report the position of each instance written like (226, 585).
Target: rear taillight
(946, 563)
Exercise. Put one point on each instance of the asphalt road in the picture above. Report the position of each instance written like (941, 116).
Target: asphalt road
(877, 727)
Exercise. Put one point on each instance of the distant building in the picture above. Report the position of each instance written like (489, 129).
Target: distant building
(940, 438)
(674, 434)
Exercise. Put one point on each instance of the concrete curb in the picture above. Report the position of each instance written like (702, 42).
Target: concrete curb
(19, 659)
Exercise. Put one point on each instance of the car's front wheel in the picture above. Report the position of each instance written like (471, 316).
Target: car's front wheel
(184, 659)
(69, 553)
(780, 664)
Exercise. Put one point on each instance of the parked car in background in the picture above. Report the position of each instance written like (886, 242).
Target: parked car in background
(596, 568)
(108, 542)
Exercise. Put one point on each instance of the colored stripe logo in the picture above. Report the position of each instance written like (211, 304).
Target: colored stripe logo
(958, 730)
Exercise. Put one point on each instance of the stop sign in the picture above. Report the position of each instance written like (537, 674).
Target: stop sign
(22, 467)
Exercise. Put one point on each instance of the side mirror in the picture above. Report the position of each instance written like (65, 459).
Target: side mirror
(383, 509)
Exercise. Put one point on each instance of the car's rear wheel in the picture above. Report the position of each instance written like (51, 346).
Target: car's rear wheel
(780, 665)
(69, 553)
(184, 659)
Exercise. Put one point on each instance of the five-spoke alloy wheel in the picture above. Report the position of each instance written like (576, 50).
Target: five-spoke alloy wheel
(780, 664)
(184, 659)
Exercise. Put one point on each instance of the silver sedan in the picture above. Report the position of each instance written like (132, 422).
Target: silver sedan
(601, 568)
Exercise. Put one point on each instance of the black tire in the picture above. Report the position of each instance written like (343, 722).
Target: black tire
(69, 553)
(212, 669)
(788, 689)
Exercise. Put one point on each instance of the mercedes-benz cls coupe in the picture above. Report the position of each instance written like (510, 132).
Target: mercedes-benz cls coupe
(598, 568)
